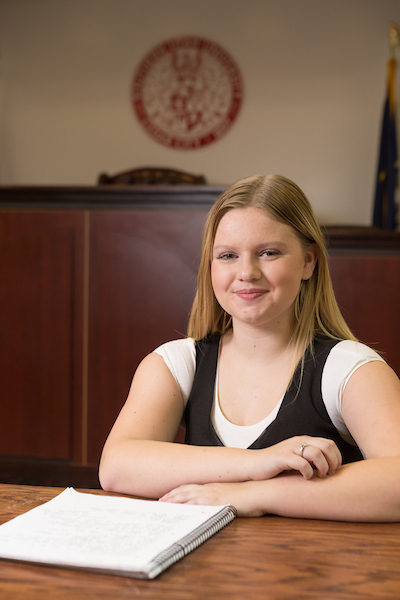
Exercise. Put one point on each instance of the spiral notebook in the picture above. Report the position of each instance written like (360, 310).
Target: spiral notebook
(110, 534)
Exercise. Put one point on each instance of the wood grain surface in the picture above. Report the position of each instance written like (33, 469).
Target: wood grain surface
(268, 557)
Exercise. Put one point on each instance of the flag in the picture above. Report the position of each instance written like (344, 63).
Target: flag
(385, 210)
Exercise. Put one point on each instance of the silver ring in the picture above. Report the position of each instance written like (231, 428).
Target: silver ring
(303, 445)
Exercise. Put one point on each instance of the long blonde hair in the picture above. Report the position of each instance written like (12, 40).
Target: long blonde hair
(316, 309)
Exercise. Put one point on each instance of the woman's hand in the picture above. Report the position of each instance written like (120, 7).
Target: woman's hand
(239, 495)
(305, 454)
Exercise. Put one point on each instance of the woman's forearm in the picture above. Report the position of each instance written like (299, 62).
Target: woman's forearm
(363, 491)
(151, 468)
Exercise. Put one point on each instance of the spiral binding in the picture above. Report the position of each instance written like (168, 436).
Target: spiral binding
(191, 541)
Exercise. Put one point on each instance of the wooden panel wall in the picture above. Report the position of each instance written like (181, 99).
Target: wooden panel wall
(142, 282)
(40, 324)
(367, 288)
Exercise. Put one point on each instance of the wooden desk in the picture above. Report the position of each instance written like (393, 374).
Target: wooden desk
(270, 558)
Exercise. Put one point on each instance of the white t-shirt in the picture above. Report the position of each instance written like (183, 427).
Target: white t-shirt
(343, 360)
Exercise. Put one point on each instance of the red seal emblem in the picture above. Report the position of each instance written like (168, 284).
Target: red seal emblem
(187, 92)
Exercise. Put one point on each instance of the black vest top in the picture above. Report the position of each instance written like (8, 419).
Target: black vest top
(302, 411)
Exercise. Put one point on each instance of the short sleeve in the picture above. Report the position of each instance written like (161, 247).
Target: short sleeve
(343, 360)
(180, 358)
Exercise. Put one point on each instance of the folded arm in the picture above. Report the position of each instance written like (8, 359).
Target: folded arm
(366, 491)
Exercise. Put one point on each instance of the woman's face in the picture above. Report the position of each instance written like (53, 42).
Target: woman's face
(257, 266)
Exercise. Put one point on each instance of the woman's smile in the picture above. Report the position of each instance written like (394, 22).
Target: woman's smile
(250, 294)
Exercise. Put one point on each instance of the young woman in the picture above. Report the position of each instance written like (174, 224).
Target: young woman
(285, 411)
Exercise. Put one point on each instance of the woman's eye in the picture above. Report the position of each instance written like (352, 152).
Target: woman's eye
(226, 256)
(269, 253)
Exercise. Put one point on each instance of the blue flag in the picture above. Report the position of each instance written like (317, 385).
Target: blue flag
(385, 210)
